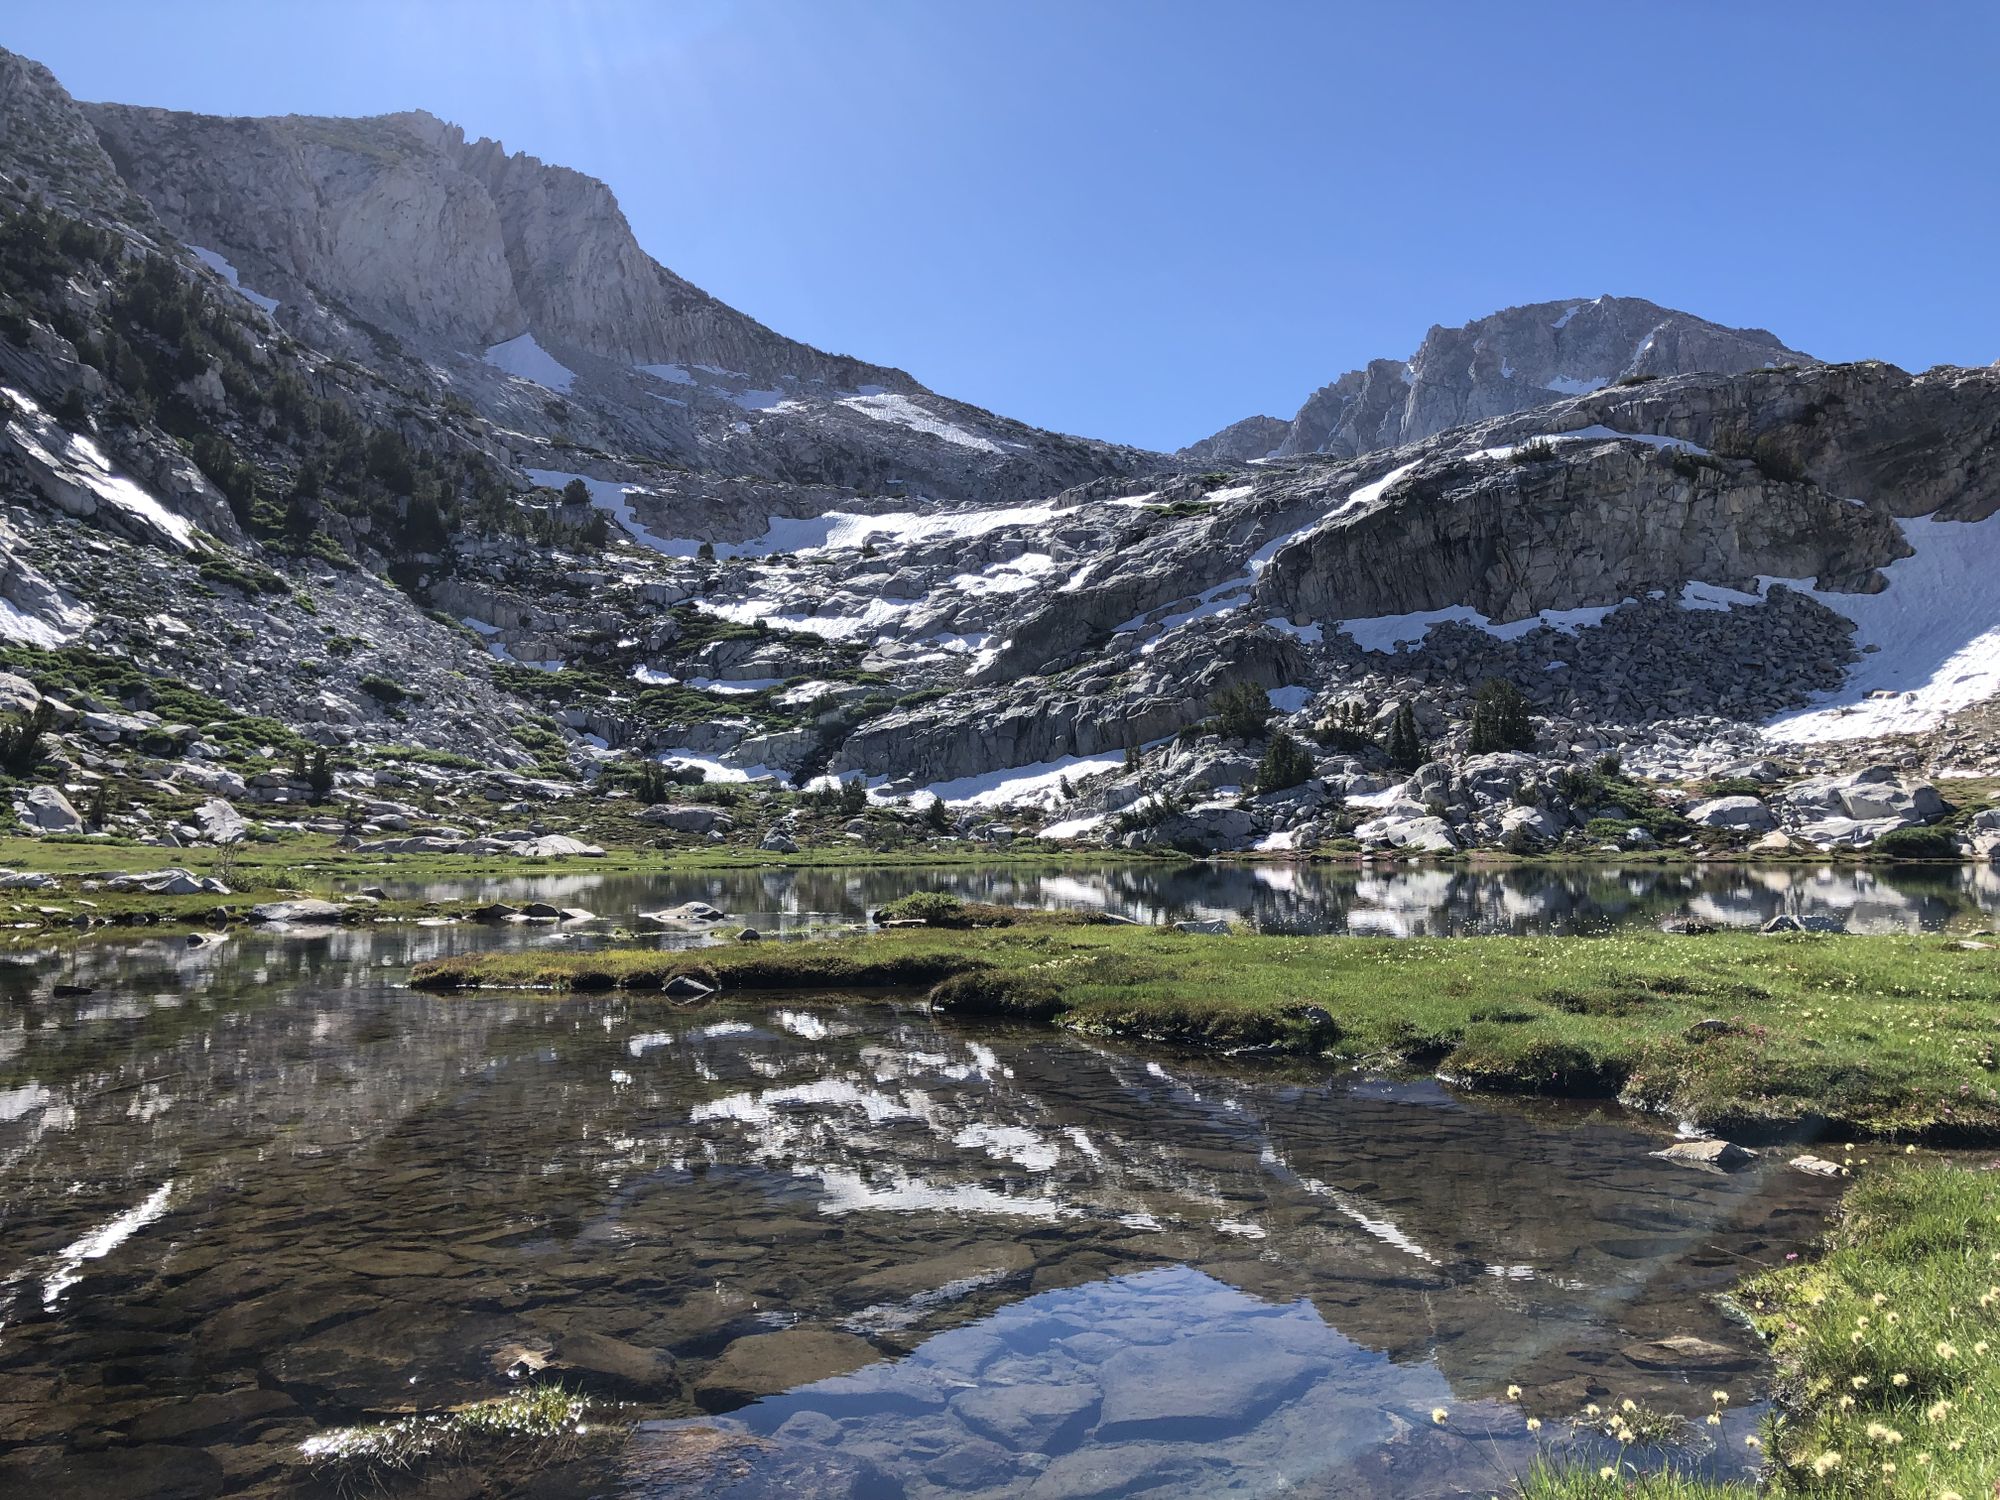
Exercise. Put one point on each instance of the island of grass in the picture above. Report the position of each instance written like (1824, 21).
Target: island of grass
(1746, 1034)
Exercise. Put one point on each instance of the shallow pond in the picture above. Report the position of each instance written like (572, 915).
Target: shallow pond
(254, 1192)
(1409, 901)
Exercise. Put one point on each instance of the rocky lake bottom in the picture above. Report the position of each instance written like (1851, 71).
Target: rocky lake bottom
(258, 1192)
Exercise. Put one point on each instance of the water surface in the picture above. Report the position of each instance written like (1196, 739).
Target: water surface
(821, 1246)
(1387, 901)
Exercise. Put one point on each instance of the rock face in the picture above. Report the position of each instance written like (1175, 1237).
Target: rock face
(438, 239)
(1511, 361)
(528, 278)
(1239, 442)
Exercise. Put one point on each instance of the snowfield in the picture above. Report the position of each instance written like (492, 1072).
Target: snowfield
(1937, 630)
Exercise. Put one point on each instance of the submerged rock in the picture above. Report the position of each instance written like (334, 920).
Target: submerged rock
(762, 1364)
(1711, 1156)
(1804, 922)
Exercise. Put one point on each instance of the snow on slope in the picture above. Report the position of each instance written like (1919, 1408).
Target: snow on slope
(227, 272)
(1937, 627)
(530, 361)
(906, 413)
(75, 460)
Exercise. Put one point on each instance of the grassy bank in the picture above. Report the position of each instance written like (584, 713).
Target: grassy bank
(1888, 1355)
(1743, 1033)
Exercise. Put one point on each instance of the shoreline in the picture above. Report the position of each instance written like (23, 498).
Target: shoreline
(1792, 1036)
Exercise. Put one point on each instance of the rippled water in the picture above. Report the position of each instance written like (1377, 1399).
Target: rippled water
(820, 1246)
(1392, 902)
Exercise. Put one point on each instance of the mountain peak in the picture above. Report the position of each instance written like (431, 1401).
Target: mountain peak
(1508, 361)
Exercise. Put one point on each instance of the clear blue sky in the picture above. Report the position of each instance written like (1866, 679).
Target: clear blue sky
(1144, 220)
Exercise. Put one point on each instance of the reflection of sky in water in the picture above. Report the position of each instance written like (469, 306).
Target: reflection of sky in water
(1166, 1382)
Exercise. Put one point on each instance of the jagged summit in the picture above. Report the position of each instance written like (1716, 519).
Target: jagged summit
(1512, 360)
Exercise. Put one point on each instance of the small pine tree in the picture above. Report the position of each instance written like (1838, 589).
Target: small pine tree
(99, 812)
(1346, 728)
(1286, 764)
(319, 776)
(1500, 718)
(1242, 711)
(705, 552)
(853, 796)
(576, 493)
(1405, 746)
(937, 816)
(1131, 757)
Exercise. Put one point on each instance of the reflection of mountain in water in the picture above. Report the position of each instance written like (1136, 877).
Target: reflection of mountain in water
(359, 1197)
(1412, 901)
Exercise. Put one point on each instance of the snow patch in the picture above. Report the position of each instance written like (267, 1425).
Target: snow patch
(1037, 783)
(528, 360)
(1385, 633)
(78, 461)
(227, 272)
(904, 412)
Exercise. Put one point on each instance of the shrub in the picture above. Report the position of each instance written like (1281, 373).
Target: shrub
(1917, 843)
(939, 908)
(22, 739)
(384, 690)
(1538, 451)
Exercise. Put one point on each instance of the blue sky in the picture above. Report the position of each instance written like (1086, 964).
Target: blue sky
(1143, 220)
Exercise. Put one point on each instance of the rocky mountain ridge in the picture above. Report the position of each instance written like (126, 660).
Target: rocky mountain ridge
(267, 498)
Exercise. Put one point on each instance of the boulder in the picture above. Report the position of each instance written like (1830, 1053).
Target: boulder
(301, 911)
(220, 823)
(1208, 927)
(1530, 822)
(610, 1364)
(1207, 828)
(1425, 835)
(1739, 814)
(778, 843)
(18, 695)
(687, 914)
(682, 987)
(167, 882)
(46, 810)
(557, 846)
(687, 817)
(1804, 922)
(1818, 1166)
